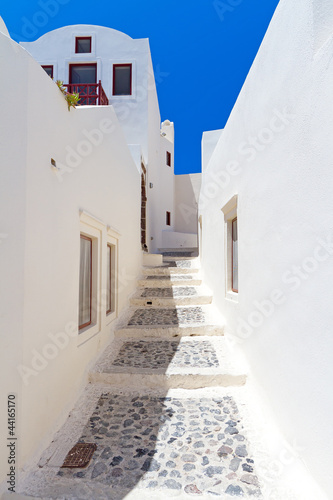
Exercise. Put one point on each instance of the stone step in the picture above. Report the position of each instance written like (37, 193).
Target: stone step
(169, 331)
(177, 321)
(169, 271)
(179, 252)
(171, 296)
(167, 364)
(155, 281)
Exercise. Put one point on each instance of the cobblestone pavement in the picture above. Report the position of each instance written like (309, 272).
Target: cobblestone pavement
(176, 291)
(162, 354)
(169, 316)
(160, 443)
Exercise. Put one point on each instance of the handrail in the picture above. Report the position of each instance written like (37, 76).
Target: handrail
(91, 94)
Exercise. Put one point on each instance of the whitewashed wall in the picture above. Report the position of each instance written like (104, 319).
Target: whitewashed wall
(138, 114)
(109, 47)
(40, 228)
(162, 192)
(276, 154)
(187, 189)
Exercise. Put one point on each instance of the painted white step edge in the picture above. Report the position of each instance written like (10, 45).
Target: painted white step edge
(170, 331)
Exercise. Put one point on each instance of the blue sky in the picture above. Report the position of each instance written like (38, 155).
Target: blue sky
(202, 51)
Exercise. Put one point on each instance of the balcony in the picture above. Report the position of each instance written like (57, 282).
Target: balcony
(91, 94)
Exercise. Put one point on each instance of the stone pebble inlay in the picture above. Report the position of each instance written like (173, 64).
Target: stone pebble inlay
(169, 316)
(177, 291)
(182, 264)
(195, 446)
(175, 277)
(161, 354)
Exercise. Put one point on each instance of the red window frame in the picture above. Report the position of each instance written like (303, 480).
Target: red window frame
(77, 39)
(168, 158)
(47, 66)
(82, 64)
(109, 310)
(114, 77)
(90, 320)
(168, 218)
(232, 254)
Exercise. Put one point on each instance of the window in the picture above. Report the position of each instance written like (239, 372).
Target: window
(122, 79)
(85, 287)
(110, 279)
(111, 271)
(168, 218)
(168, 159)
(83, 45)
(48, 70)
(82, 73)
(231, 248)
(234, 253)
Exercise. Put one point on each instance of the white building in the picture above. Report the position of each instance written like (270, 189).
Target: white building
(266, 217)
(74, 215)
(112, 68)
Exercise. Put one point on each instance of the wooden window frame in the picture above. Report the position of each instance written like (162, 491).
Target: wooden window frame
(230, 212)
(168, 218)
(91, 249)
(108, 311)
(44, 66)
(168, 158)
(232, 254)
(114, 78)
(81, 64)
(77, 39)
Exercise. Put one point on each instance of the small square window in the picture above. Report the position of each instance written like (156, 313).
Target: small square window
(122, 79)
(168, 159)
(168, 218)
(83, 45)
(48, 70)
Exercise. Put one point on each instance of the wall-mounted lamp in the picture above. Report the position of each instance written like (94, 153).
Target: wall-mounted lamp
(151, 185)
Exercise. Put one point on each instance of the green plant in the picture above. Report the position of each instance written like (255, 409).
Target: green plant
(72, 99)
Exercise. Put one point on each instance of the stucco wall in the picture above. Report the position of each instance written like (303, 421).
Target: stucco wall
(187, 189)
(276, 154)
(109, 47)
(138, 114)
(40, 228)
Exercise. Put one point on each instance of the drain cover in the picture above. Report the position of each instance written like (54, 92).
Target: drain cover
(80, 455)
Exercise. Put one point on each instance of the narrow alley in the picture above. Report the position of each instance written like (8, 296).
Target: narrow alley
(161, 405)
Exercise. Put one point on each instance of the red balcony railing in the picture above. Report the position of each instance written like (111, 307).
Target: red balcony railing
(91, 94)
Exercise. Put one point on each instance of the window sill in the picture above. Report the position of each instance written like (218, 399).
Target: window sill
(232, 296)
(110, 317)
(87, 333)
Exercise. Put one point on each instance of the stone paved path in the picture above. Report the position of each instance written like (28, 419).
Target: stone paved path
(152, 441)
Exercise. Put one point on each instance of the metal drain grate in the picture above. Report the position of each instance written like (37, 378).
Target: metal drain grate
(80, 455)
